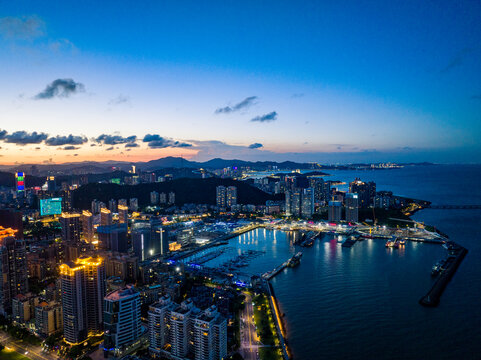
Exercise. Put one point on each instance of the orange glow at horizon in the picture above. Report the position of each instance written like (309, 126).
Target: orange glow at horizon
(44, 155)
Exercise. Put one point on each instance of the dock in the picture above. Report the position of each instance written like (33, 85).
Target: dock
(431, 299)
(348, 243)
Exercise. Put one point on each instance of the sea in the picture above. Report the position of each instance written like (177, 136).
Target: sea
(362, 302)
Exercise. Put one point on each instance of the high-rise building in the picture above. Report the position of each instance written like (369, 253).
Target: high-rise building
(352, 207)
(113, 237)
(51, 184)
(149, 241)
(113, 205)
(105, 217)
(83, 291)
(180, 321)
(307, 206)
(13, 269)
(178, 330)
(159, 324)
(70, 224)
(20, 181)
(23, 308)
(210, 335)
(293, 202)
(221, 196)
(48, 318)
(162, 198)
(122, 327)
(366, 192)
(171, 198)
(334, 211)
(231, 196)
(134, 204)
(123, 214)
(87, 226)
(154, 197)
(123, 266)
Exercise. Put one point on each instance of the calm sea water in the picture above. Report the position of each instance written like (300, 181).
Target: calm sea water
(362, 302)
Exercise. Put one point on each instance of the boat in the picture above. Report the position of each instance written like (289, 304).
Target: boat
(295, 260)
(435, 269)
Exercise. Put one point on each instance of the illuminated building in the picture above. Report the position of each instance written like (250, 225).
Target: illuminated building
(179, 322)
(159, 316)
(23, 308)
(12, 219)
(307, 206)
(20, 181)
(334, 211)
(83, 291)
(48, 318)
(122, 327)
(293, 202)
(123, 266)
(220, 196)
(366, 192)
(231, 196)
(70, 224)
(51, 184)
(87, 226)
(210, 335)
(123, 214)
(13, 269)
(105, 217)
(352, 207)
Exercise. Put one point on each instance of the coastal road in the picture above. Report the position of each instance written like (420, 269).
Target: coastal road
(30, 351)
(249, 345)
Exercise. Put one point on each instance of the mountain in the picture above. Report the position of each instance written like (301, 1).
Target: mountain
(187, 190)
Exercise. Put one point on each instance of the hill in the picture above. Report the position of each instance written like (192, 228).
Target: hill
(187, 190)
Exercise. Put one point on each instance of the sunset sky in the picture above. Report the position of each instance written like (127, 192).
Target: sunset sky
(255, 80)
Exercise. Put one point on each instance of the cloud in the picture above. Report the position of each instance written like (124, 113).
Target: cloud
(121, 99)
(60, 88)
(109, 149)
(62, 45)
(24, 138)
(115, 139)
(266, 117)
(71, 147)
(22, 28)
(255, 146)
(248, 101)
(3, 133)
(297, 95)
(155, 141)
(457, 60)
(131, 145)
(66, 140)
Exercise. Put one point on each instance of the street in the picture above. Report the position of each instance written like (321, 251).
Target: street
(249, 345)
(31, 351)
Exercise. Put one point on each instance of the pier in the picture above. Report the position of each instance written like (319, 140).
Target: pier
(431, 299)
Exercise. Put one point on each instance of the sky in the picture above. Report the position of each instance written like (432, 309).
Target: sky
(323, 81)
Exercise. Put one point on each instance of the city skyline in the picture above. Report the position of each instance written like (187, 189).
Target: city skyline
(315, 82)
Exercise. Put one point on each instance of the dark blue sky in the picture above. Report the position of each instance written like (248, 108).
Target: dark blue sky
(357, 79)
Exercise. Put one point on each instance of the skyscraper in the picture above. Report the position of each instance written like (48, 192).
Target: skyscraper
(105, 217)
(231, 196)
(335, 211)
(307, 207)
(352, 207)
(83, 291)
(13, 269)
(221, 196)
(159, 324)
(210, 335)
(87, 226)
(121, 320)
(70, 224)
(20, 181)
(123, 214)
(366, 192)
